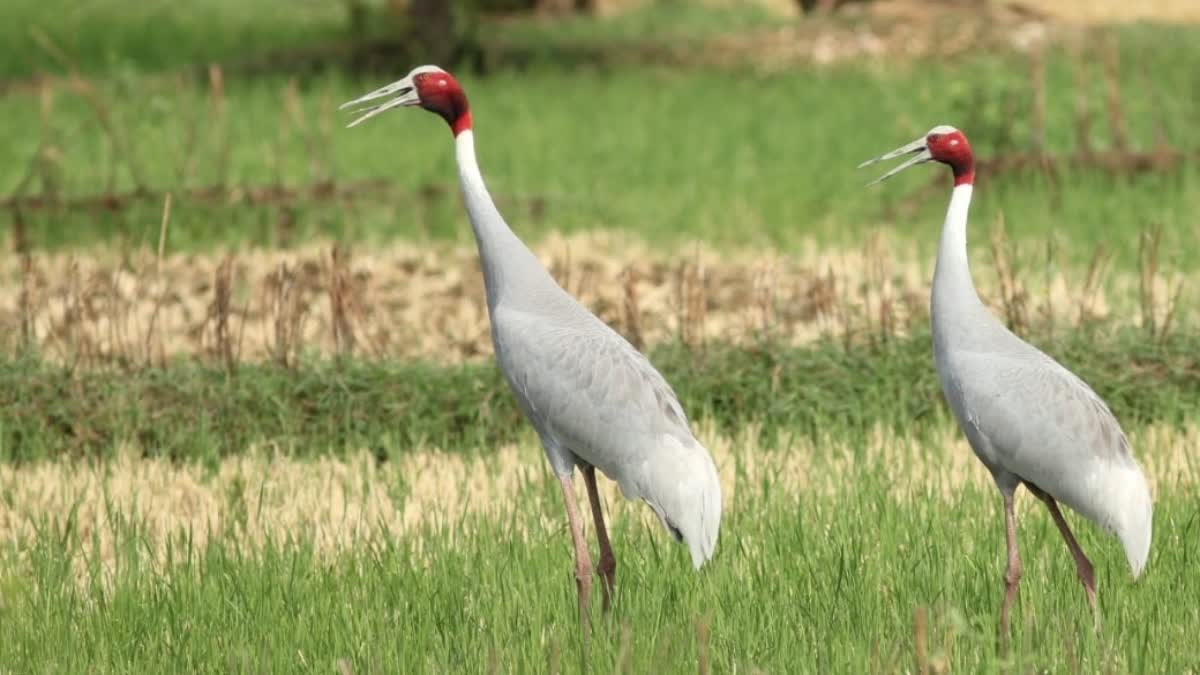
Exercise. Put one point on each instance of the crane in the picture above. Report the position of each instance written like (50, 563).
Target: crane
(594, 400)
(1029, 420)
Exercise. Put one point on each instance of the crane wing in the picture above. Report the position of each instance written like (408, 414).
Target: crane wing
(1031, 417)
(587, 387)
(1037, 405)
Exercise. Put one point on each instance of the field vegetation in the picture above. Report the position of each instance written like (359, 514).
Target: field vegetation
(876, 554)
(249, 419)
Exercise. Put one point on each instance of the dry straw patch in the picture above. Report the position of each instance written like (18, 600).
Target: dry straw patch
(1116, 11)
(426, 300)
(339, 504)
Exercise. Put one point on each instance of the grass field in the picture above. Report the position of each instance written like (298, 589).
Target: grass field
(240, 453)
(389, 519)
(648, 153)
(197, 411)
(828, 552)
(732, 157)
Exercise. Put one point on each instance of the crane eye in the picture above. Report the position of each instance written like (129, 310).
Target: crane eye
(932, 138)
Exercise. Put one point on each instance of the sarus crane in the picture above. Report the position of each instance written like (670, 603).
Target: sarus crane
(594, 400)
(1029, 420)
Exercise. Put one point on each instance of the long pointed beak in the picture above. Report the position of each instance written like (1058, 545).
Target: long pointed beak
(405, 92)
(918, 146)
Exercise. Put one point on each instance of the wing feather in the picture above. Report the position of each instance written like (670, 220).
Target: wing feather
(587, 387)
(1038, 421)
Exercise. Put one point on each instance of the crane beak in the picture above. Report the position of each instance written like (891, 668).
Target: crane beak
(405, 95)
(918, 146)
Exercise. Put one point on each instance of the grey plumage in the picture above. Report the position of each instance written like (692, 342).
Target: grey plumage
(594, 400)
(588, 392)
(1029, 420)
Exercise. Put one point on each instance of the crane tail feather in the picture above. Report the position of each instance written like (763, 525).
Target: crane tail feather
(1133, 523)
(683, 487)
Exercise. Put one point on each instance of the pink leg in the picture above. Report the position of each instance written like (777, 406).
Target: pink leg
(608, 561)
(583, 561)
(1012, 575)
(1083, 566)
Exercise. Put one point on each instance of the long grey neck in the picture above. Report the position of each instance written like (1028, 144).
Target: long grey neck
(507, 263)
(956, 312)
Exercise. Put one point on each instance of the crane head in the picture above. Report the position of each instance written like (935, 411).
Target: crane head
(943, 144)
(427, 86)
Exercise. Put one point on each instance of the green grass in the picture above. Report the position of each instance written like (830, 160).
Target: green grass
(47, 411)
(110, 36)
(800, 583)
(731, 157)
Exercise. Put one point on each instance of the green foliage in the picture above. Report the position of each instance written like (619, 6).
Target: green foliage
(804, 583)
(201, 412)
(634, 150)
(115, 37)
(195, 411)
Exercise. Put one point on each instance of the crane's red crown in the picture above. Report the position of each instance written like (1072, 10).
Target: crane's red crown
(440, 93)
(950, 147)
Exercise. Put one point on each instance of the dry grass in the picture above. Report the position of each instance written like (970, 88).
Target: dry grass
(1082, 11)
(916, 29)
(1117, 11)
(426, 301)
(341, 503)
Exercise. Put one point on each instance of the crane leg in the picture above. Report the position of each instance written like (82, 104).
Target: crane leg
(1012, 574)
(1083, 566)
(583, 561)
(608, 562)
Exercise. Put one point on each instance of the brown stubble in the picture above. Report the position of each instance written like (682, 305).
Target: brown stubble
(426, 301)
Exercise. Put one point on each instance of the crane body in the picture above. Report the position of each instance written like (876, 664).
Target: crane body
(1029, 420)
(594, 400)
